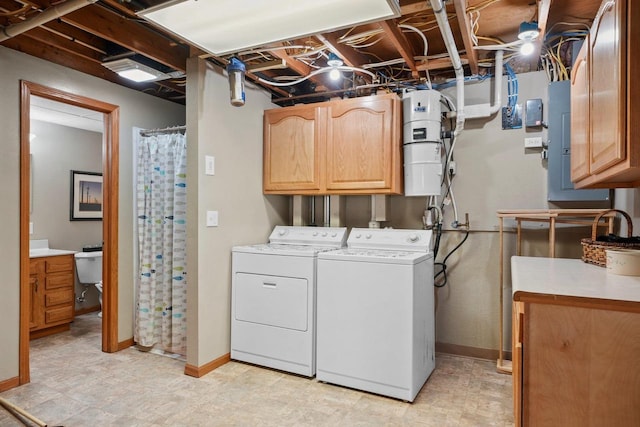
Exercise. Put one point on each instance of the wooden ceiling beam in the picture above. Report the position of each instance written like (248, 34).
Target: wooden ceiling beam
(129, 34)
(58, 56)
(401, 43)
(297, 66)
(77, 35)
(421, 6)
(440, 63)
(465, 32)
(43, 36)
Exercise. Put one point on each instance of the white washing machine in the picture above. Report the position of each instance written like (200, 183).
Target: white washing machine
(376, 319)
(273, 306)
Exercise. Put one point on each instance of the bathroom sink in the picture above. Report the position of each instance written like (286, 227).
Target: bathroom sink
(40, 248)
(35, 253)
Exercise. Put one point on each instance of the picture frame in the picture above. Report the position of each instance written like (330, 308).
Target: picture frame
(86, 196)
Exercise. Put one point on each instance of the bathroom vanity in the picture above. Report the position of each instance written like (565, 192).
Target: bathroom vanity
(51, 280)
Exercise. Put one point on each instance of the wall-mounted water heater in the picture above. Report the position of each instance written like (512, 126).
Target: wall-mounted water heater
(422, 137)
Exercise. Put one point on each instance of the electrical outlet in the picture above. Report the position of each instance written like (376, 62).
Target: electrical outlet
(453, 168)
(533, 142)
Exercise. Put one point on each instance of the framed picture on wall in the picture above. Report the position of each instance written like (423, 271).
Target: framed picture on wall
(86, 196)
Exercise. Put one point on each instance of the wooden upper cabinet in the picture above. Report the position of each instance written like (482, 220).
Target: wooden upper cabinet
(607, 86)
(613, 68)
(360, 152)
(291, 143)
(338, 147)
(580, 115)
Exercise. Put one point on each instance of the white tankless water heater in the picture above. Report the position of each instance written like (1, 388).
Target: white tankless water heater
(422, 143)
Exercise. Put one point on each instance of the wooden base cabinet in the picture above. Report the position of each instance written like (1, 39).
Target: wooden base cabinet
(52, 294)
(350, 146)
(575, 364)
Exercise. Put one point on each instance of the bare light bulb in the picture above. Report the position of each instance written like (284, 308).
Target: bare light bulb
(335, 74)
(527, 48)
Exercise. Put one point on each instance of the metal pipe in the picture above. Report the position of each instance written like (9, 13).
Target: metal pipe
(312, 207)
(327, 211)
(48, 15)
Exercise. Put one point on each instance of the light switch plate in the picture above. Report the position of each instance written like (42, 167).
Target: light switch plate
(212, 218)
(209, 165)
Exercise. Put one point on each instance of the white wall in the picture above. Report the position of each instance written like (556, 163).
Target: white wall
(494, 171)
(56, 151)
(136, 109)
(233, 135)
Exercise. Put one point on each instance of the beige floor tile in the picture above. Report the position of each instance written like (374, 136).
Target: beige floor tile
(76, 385)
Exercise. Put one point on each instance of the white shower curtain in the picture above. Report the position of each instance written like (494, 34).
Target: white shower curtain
(160, 319)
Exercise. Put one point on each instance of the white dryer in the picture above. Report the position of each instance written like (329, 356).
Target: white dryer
(376, 321)
(273, 300)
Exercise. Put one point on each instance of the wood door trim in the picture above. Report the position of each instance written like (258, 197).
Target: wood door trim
(110, 157)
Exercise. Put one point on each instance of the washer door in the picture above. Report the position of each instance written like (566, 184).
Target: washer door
(271, 300)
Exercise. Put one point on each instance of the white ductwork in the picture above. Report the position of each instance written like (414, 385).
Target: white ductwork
(471, 111)
(486, 110)
(48, 15)
(440, 12)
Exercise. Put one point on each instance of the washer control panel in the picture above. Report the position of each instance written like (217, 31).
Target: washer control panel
(390, 239)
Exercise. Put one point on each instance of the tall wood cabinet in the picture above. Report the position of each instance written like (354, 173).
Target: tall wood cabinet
(338, 147)
(52, 294)
(605, 147)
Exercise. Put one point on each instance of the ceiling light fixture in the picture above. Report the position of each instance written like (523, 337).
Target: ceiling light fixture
(334, 62)
(133, 70)
(227, 26)
(528, 32)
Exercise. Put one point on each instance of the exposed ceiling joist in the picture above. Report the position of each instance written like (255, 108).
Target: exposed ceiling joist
(129, 34)
(465, 32)
(543, 16)
(400, 42)
(44, 36)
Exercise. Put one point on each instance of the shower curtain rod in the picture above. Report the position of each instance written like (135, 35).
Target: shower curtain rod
(163, 131)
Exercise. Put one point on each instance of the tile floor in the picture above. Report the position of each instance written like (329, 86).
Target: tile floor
(74, 384)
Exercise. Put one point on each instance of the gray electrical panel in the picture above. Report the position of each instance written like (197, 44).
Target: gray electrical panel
(560, 187)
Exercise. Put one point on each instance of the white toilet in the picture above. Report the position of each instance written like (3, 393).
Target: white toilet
(89, 271)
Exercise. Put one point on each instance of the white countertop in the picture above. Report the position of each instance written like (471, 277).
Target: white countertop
(571, 277)
(40, 248)
(36, 253)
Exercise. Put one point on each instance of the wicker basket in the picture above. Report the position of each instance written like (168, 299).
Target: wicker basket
(593, 251)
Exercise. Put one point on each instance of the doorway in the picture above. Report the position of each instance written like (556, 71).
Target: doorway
(110, 150)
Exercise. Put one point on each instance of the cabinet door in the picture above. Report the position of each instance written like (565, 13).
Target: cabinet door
(581, 365)
(580, 115)
(363, 144)
(291, 150)
(607, 145)
(35, 303)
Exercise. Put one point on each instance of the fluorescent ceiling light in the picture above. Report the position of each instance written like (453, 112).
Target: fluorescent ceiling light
(227, 26)
(132, 70)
